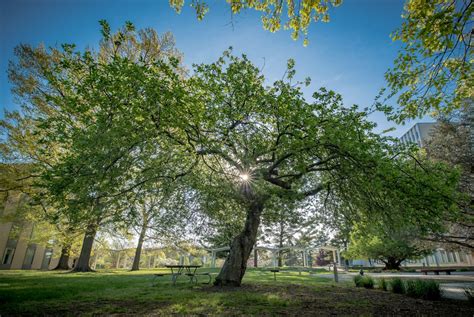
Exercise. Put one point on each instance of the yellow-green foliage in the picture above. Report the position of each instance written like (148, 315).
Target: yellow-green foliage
(299, 13)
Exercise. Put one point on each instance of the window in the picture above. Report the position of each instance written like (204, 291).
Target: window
(8, 256)
(14, 232)
(48, 253)
(450, 257)
(30, 253)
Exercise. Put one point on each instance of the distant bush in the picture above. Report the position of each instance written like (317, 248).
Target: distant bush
(364, 281)
(382, 283)
(397, 286)
(411, 270)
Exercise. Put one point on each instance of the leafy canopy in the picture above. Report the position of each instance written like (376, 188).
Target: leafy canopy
(89, 119)
(300, 13)
(433, 73)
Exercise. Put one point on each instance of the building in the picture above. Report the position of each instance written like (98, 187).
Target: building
(17, 248)
(418, 134)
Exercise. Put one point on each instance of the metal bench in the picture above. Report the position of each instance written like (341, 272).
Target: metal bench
(208, 274)
(174, 276)
(437, 270)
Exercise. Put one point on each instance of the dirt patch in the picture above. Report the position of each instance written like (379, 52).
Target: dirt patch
(103, 307)
(347, 301)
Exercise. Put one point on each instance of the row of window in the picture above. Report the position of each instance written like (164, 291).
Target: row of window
(411, 136)
(30, 253)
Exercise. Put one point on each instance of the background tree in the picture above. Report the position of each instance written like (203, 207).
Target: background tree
(158, 214)
(450, 142)
(291, 225)
(75, 106)
(433, 72)
(386, 243)
(299, 14)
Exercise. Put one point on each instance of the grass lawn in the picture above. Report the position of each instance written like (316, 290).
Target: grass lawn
(122, 292)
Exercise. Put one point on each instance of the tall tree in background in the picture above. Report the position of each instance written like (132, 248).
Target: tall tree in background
(433, 72)
(450, 142)
(84, 134)
(158, 213)
(290, 225)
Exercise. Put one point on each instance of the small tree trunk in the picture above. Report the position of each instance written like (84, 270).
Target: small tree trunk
(117, 265)
(346, 261)
(235, 265)
(280, 244)
(82, 264)
(255, 256)
(138, 250)
(63, 263)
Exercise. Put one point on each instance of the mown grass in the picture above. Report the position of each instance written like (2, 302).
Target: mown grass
(132, 293)
(24, 292)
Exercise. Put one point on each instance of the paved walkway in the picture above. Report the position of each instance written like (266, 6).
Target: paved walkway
(452, 285)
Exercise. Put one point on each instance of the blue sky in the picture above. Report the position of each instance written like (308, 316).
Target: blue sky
(349, 55)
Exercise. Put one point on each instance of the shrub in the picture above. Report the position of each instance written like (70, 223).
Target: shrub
(368, 282)
(397, 286)
(431, 290)
(410, 270)
(363, 281)
(382, 283)
(469, 292)
(413, 289)
(423, 289)
(358, 280)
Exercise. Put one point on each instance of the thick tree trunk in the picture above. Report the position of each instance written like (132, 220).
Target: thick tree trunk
(82, 264)
(63, 263)
(138, 250)
(235, 265)
(392, 264)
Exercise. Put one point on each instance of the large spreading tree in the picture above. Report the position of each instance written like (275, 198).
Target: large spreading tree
(264, 145)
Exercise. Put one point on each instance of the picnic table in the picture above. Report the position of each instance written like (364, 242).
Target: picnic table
(187, 270)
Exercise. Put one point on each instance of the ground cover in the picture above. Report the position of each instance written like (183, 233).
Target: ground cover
(121, 292)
